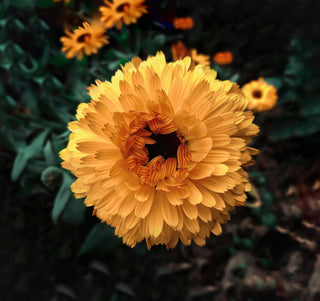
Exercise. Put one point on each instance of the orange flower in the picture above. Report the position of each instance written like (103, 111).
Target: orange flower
(261, 95)
(223, 58)
(179, 51)
(159, 151)
(122, 11)
(183, 23)
(87, 39)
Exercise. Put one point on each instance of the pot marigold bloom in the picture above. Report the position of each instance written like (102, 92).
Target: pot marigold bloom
(159, 151)
(87, 39)
(183, 23)
(223, 58)
(179, 51)
(122, 11)
(261, 95)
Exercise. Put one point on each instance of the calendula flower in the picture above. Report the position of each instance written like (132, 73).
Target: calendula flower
(122, 11)
(87, 39)
(183, 23)
(159, 151)
(261, 95)
(179, 51)
(223, 58)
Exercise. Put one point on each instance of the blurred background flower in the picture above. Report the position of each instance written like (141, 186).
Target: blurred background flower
(223, 58)
(87, 39)
(262, 97)
(122, 11)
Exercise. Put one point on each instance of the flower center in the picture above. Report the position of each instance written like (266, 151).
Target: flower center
(85, 38)
(256, 93)
(165, 146)
(123, 7)
(153, 148)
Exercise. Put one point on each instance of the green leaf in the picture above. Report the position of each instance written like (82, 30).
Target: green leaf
(30, 100)
(289, 127)
(159, 39)
(235, 77)
(59, 60)
(26, 153)
(19, 164)
(74, 212)
(310, 106)
(49, 155)
(59, 142)
(101, 239)
(275, 81)
(114, 65)
(62, 198)
(23, 4)
(45, 3)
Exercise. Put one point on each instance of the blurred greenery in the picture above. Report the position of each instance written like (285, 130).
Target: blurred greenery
(48, 232)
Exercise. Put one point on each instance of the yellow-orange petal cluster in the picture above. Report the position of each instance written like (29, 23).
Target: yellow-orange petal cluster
(180, 51)
(122, 11)
(87, 39)
(223, 58)
(183, 23)
(261, 95)
(159, 151)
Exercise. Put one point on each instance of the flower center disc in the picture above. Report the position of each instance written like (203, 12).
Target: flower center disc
(154, 150)
(123, 7)
(165, 146)
(85, 38)
(257, 93)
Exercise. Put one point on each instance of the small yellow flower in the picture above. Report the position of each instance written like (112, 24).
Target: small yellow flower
(87, 39)
(159, 151)
(122, 11)
(262, 96)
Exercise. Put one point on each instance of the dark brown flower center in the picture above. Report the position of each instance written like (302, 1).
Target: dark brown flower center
(257, 93)
(165, 146)
(84, 38)
(123, 7)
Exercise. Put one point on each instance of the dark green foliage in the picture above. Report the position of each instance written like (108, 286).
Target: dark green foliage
(100, 240)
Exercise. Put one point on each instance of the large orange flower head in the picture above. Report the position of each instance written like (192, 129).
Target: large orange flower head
(261, 95)
(122, 11)
(87, 39)
(159, 151)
